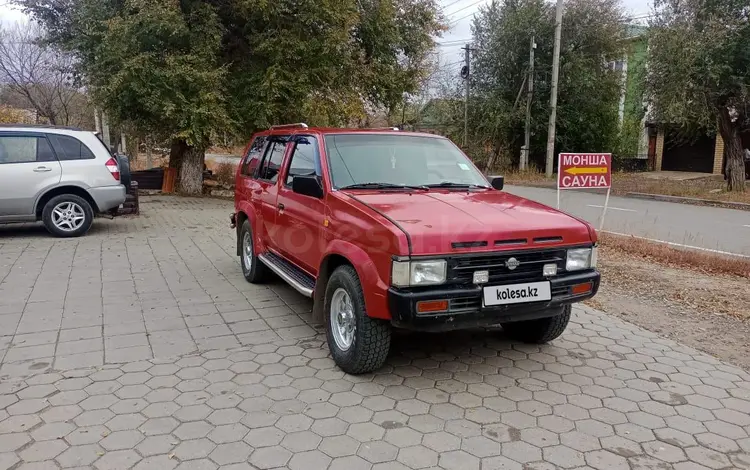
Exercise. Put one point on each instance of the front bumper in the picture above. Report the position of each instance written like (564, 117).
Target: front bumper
(466, 309)
(108, 197)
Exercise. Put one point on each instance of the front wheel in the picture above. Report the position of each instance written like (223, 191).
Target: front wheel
(67, 215)
(539, 331)
(252, 268)
(358, 343)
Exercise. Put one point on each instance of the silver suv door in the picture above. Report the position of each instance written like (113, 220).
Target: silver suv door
(28, 167)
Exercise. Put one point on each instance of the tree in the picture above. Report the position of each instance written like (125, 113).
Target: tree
(39, 78)
(698, 72)
(193, 68)
(588, 91)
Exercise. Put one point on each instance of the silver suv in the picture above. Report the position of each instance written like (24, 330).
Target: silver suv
(61, 176)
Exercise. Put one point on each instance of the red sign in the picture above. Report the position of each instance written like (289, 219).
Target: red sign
(584, 170)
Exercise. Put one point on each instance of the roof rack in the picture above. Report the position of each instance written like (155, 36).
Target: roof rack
(298, 125)
(41, 126)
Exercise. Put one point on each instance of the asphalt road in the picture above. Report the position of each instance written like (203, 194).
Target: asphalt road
(705, 228)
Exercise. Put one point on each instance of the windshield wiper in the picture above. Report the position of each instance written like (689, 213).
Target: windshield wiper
(383, 186)
(450, 185)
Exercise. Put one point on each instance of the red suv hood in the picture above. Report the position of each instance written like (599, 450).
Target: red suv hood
(440, 222)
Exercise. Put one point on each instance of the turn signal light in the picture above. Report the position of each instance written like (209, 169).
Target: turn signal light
(579, 289)
(432, 306)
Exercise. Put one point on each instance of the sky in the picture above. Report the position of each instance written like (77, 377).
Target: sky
(459, 14)
(454, 10)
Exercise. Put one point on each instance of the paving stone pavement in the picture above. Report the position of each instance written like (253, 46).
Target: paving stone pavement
(141, 346)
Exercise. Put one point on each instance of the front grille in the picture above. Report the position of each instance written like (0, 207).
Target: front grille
(464, 304)
(461, 268)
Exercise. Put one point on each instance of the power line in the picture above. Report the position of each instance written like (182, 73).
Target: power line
(451, 4)
(467, 7)
(462, 18)
(455, 40)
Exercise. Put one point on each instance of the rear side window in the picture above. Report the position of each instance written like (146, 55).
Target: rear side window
(25, 149)
(269, 169)
(70, 148)
(253, 156)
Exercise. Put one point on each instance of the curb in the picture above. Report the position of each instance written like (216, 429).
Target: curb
(690, 200)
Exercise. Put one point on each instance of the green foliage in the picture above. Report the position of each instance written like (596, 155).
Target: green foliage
(588, 92)
(699, 72)
(699, 61)
(628, 139)
(193, 68)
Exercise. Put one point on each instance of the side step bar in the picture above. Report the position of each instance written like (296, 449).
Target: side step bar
(295, 277)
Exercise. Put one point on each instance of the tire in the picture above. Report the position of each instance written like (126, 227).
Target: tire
(371, 338)
(63, 206)
(539, 331)
(252, 268)
(124, 164)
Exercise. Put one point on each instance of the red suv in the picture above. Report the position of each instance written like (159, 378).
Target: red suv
(387, 229)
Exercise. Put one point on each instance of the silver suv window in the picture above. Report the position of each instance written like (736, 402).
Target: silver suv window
(25, 149)
(70, 148)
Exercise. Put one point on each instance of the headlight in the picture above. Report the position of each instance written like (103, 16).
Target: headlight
(581, 258)
(418, 273)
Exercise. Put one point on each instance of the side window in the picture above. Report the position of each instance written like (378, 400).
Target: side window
(269, 169)
(23, 149)
(253, 156)
(304, 161)
(44, 152)
(70, 148)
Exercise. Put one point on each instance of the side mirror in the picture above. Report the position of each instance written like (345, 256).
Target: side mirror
(498, 182)
(308, 185)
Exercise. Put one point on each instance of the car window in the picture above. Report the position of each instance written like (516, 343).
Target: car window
(25, 149)
(70, 148)
(397, 159)
(254, 153)
(269, 169)
(44, 152)
(305, 160)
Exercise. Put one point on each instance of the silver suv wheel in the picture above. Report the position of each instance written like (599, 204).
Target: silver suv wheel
(68, 216)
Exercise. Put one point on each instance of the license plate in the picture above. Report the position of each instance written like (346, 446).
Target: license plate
(517, 293)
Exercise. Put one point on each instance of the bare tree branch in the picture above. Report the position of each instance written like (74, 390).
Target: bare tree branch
(39, 74)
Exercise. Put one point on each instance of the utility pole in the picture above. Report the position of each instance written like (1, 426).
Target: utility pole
(524, 163)
(466, 72)
(553, 99)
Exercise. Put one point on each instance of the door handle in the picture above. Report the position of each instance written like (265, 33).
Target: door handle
(42, 169)
(281, 207)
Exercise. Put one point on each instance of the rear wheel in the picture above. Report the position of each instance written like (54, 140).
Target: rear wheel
(358, 343)
(67, 215)
(539, 331)
(252, 268)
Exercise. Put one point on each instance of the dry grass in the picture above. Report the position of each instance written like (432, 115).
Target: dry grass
(704, 262)
(710, 187)
(221, 150)
(157, 161)
(223, 172)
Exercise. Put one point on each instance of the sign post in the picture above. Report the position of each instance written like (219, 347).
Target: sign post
(585, 171)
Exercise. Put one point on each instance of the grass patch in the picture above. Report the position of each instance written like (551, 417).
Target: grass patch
(224, 172)
(704, 262)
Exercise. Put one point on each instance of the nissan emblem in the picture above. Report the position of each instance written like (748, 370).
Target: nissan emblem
(512, 263)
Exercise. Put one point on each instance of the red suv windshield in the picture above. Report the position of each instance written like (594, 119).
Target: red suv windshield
(356, 159)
